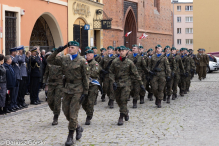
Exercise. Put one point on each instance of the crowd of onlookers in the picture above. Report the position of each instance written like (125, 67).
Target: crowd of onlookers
(17, 73)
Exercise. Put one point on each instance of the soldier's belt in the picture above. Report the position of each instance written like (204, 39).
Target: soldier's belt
(55, 80)
(73, 81)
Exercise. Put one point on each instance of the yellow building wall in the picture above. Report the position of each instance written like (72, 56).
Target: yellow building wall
(206, 25)
(72, 17)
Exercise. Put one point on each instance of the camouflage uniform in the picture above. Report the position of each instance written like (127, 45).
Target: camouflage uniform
(97, 58)
(77, 83)
(148, 83)
(88, 104)
(53, 75)
(206, 63)
(158, 81)
(179, 70)
(120, 72)
(140, 63)
(172, 65)
(201, 65)
(106, 82)
(192, 67)
(182, 83)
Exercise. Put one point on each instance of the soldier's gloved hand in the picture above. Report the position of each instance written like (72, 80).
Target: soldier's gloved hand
(135, 61)
(172, 74)
(61, 48)
(151, 73)
(168, 79)
(82, 98)
(142, 87)
(104, 72)
(114, 86)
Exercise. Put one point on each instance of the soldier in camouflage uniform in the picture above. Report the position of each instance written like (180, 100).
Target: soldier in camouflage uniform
(120, 72)
(206, 63)
(103, 52)
(95, 69)
(148, 84)
(86, 49)
(117, 52)
(96, 56)
(160, 68)
(186, 64)
(172, 65)
(76, 71)
(192, 70)
(140, 63)
(53, 79)
(177, 75)
(105, 64)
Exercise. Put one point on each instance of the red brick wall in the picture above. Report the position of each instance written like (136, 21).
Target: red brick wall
(157, 25)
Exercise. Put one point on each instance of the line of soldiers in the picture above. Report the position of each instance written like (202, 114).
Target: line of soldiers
(123, 74)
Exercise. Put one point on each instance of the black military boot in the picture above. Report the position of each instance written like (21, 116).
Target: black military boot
(103, 97)
(79, 131)
(134, 103)
(173, 97)
(164, 97)
(111, 103)
(181, 93)
(150, 96)
(168, 99)
(185, 92)
(55, 120)
(176, 95)
(70, 140)
(127, 116)
(141, 99)
(158, 103)
(88, 120)
(120, 122)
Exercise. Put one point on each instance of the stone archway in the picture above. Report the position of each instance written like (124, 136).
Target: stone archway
(46, 33)
(130, 25)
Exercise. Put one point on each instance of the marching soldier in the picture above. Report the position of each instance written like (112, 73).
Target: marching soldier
(53, 78)
(117, 52)
(148, 84)
(179, 70)
(105, 64)
(206, 63)
(103, 52)
(201, 64)
(96, 56)
(75, 68)
(192, 70)
(86, 49)
(35, 63)
(141, 66)
(120, 71)
(172, 65)
(95, 69)
(159, 67)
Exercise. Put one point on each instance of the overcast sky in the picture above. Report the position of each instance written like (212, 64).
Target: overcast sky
(185, 0)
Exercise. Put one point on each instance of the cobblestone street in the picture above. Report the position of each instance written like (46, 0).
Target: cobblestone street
(191, 120)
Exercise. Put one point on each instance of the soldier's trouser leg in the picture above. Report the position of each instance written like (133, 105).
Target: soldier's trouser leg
(54, 95)
(158, 84)
(200, 73)
(175, 83)
(111, 91)
(197, 69)
(183, 83)
(169, 86)
(132, 88)
(188, 80)
(142, 92)
(70, 107)
(88, 104)
(204, 71)
(136, 88)
(121, 95)
(106, 85)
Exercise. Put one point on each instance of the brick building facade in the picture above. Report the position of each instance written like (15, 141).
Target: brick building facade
(152, 17)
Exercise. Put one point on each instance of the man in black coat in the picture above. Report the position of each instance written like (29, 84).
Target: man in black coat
(11, 81)
(35, 63)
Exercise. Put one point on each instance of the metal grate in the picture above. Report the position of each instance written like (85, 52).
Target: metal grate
(10, 31)
(100, 15)
(41, 35)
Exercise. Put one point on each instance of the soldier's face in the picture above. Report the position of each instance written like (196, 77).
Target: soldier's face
(117, 52)
(174, 51)
(159, 50)
(90, 56)
(140, 50)
(110, 51)
(135, 50)
(33, 53)
(167, 50)
(95, 51)
(123, 53)
(73, 50)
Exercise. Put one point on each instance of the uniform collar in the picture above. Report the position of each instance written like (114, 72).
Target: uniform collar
(168, 55)
(158, 55)
(110, 55)
(135, 54)
(72, 57)
(95, 55)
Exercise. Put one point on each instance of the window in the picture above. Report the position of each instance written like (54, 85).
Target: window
(189, 30)
(189, 19)
(189, 8)
(178, 19)
(178, 30)
(189, 41)
(157, 5)
(178, 8)
(179, 41)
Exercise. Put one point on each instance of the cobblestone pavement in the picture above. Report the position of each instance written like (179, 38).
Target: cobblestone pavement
(191, 120)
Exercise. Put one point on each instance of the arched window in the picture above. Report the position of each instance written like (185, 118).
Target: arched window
(157, 5)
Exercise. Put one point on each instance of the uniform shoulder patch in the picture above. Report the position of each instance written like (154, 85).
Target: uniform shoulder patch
(96, 64)
(86, 62)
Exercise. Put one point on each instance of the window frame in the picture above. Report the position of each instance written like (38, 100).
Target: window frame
(179, 40)
(180, 20)
(179, 30)
(190, 30)
(189, 19)
(190, 8)
(178, 9)
(190, 41)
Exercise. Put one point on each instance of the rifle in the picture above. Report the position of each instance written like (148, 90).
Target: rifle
(106, 69)
(155, 69)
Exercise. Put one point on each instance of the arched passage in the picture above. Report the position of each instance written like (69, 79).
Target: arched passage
(130, 25)
(46, 33)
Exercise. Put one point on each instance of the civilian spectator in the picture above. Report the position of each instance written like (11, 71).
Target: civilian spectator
(11, 82)
(23, 82)
(3, 88)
